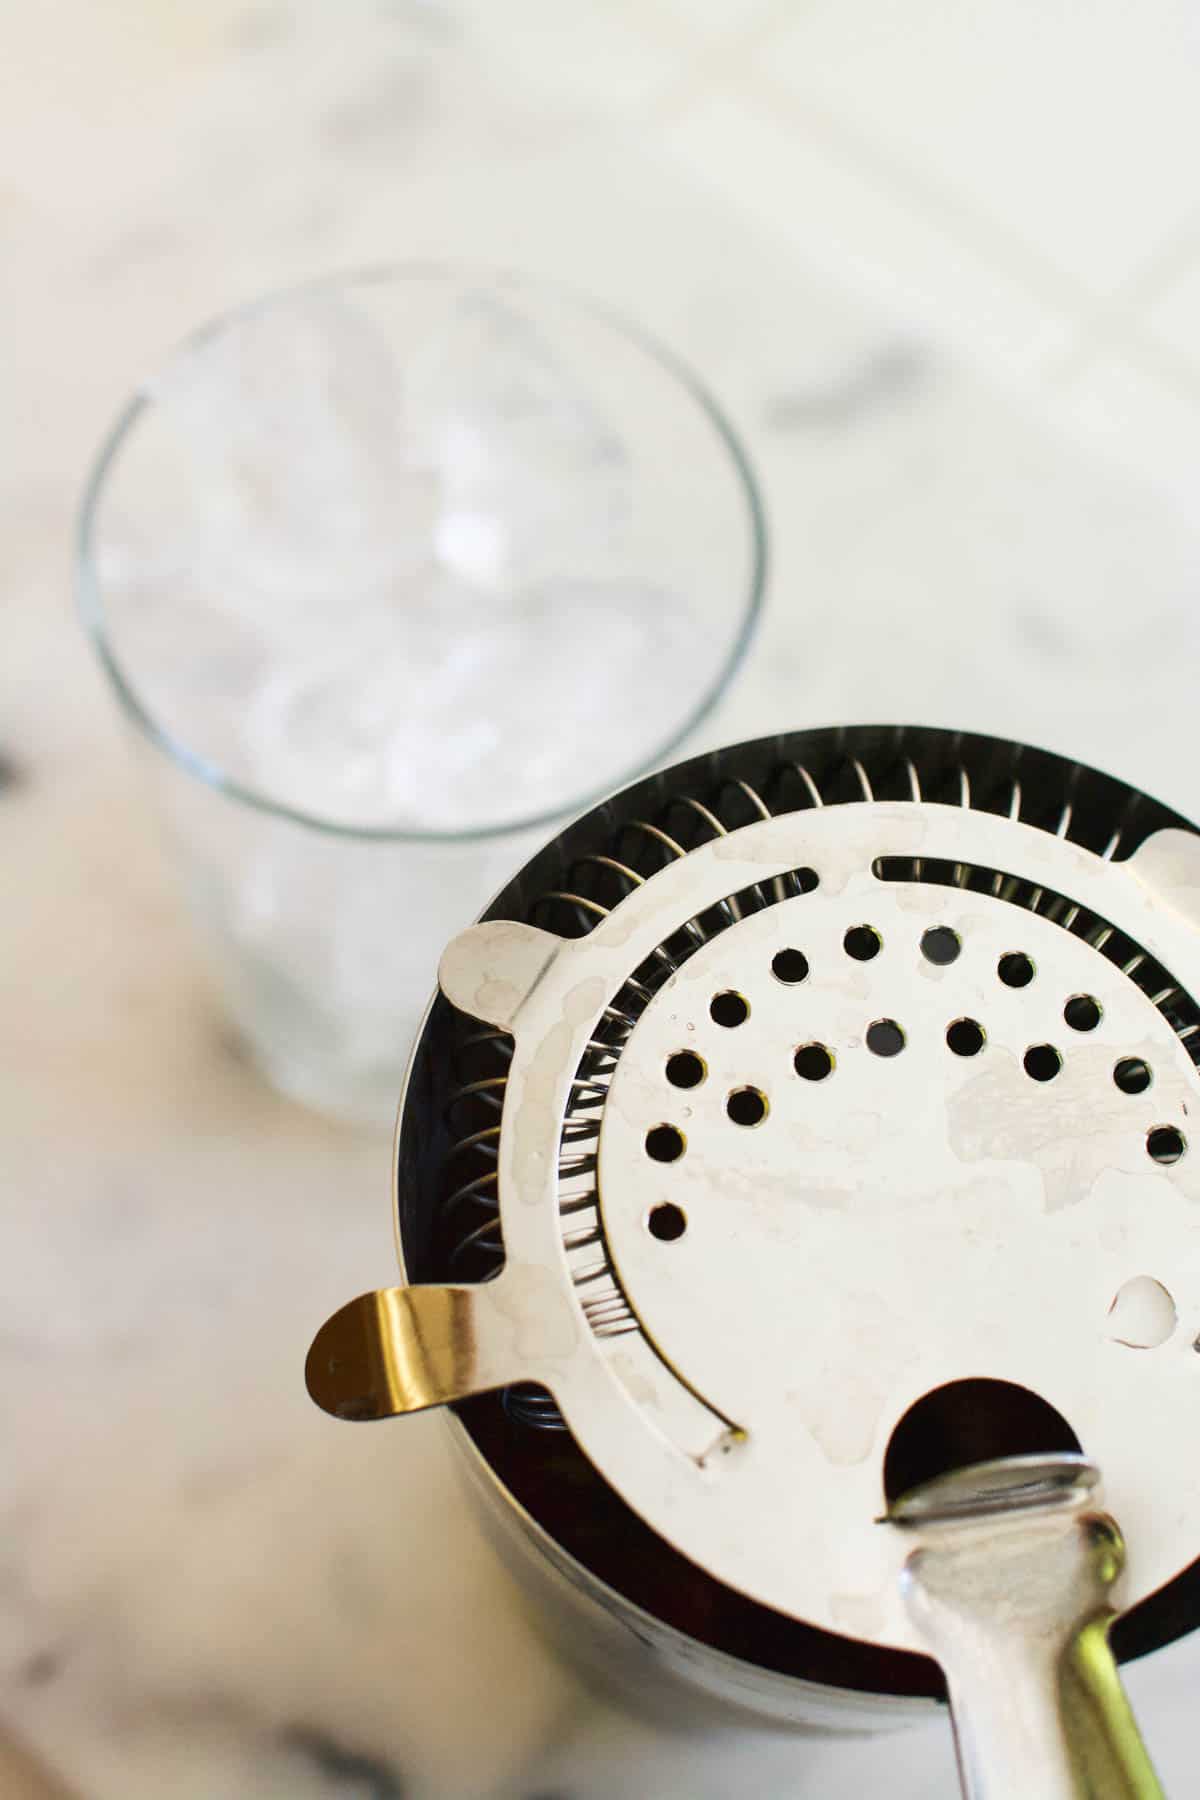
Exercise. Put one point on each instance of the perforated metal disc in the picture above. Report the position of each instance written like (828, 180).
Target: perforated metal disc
(881, 1134)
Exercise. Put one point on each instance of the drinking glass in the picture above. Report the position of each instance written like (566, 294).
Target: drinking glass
(391, 573)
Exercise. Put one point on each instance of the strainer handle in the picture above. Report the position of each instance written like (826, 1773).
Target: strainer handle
(401, 1349)
(1011, 1592)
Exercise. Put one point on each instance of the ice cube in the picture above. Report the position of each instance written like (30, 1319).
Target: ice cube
(406, 588)
(492, 712)
(533, 480)
(303, 491)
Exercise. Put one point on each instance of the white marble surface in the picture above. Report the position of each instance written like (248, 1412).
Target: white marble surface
(973, 401)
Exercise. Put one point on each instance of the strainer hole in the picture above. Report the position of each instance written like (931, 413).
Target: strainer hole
(729, 1008)
(885, 1037)
(1132, 1075)
(966, 1422)
(1042, 1062)
(1083, 1012)
(862, 942)
(966, 1037)
(1143, 1314)
(664, 1143)
(685, 1069)
(666, 1222)
(747, 1106)
(1015, 969)
(1166, 1144)
(789, 966)
(940, 945)
(813, 1062)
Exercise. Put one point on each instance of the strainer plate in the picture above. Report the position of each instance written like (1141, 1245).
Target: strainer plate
(911, 1219)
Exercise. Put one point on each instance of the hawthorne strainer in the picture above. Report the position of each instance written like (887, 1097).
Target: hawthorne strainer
(795, 1193)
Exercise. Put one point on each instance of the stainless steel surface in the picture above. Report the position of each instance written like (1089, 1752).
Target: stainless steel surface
(833, 1259)
(654, 1669)
(777, 1100)
(405, 1348)
(1011, 1586)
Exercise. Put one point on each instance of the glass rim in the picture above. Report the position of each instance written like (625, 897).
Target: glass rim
(89, 588)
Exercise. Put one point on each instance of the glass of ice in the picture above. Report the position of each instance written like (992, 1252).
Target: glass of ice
(393, 573)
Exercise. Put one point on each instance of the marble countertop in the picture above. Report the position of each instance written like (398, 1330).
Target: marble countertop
(207, 1589)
